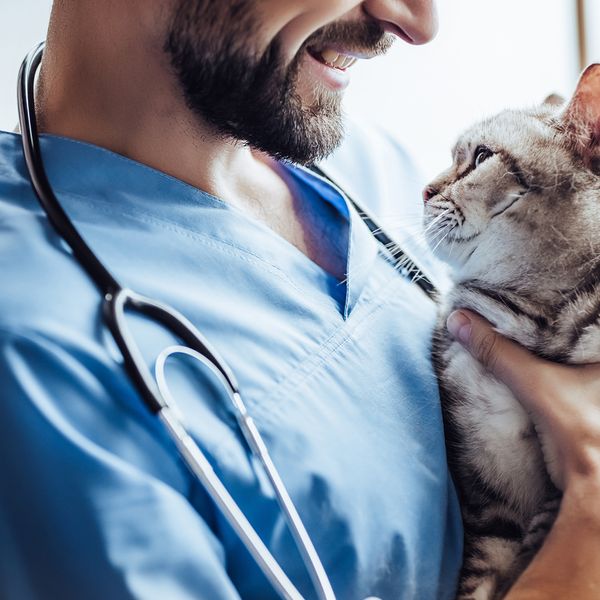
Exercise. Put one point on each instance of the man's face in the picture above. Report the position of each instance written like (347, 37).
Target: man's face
(271, 73)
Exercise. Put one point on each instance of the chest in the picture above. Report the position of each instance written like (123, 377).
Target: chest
(346, 401)
(350, 414)
(490, 433)
(353, 424)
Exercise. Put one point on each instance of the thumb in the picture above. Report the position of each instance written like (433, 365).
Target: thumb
(508, 361)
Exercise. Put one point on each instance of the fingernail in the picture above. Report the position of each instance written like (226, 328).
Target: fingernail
(459, 326)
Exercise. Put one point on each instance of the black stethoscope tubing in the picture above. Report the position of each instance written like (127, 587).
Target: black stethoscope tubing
(117, 299)
(399, 258)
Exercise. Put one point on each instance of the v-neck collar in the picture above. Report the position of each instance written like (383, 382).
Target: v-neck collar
(92, 173)
(362, 247)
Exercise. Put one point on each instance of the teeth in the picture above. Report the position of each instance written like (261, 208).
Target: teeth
(336, 60)
(330, 56)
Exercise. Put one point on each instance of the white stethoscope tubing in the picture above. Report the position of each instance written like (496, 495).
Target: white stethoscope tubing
(204, 471)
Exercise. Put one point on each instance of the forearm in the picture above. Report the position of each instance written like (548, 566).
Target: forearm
(568, 565)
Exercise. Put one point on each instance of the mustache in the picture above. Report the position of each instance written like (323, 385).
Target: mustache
(367, 37)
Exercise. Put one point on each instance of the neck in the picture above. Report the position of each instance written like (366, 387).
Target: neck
(106, 80)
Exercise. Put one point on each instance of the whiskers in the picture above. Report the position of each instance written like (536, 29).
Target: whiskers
(409, 232)
(441, 227)
(432, 235)
(446, 233)
(442, 223)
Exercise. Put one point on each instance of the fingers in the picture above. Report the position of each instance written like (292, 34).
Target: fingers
(562, 400)
(508, 361)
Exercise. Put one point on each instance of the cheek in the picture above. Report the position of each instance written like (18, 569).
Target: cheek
(470, 199)
(486, 193)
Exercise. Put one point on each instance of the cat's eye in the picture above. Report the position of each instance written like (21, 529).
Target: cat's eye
(481, 153)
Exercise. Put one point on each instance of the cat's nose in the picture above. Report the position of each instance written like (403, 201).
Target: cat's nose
(428, 193)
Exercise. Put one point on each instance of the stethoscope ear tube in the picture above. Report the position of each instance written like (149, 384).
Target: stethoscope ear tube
(203, 471)
(115, 307)
(39, 179)
(401, 261)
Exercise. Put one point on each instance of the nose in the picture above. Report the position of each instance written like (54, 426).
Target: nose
(415, 21)
(428, 193)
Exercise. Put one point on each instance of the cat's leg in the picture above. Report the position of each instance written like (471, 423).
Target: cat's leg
(492, 544)
(536, 533)
(487, 561)
(539, 527)
(495, 555)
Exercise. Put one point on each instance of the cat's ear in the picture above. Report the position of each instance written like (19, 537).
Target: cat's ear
(581, 117)
(554, 100)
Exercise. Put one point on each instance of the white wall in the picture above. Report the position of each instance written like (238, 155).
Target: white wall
(489, 54)
(24, 24)
(592, 14)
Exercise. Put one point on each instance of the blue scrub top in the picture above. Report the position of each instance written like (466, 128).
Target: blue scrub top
(94, 502)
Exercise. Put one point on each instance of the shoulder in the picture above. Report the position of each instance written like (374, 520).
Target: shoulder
(41, 283)
(16, 195)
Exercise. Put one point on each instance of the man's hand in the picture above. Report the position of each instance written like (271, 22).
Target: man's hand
(564, 402)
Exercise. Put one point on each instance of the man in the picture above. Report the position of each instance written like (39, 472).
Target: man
(177, 130)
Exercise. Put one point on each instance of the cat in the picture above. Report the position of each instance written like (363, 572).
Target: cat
(517, 219)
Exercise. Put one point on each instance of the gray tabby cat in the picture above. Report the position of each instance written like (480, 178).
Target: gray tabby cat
(517, 217)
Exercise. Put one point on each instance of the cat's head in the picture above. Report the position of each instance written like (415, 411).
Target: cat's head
(521, 201)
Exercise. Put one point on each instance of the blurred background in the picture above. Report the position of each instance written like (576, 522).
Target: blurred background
(488, 56)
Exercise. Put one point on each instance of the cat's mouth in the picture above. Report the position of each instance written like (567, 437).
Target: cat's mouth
(442, 223)
(447, 236)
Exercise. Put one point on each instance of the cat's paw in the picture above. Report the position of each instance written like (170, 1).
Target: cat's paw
(481, 593)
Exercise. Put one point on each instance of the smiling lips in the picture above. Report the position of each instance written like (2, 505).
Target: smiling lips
(334, 59)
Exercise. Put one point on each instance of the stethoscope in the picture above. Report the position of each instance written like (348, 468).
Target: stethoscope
(154, 390)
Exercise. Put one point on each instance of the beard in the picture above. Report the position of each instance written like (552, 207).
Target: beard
(250, 95)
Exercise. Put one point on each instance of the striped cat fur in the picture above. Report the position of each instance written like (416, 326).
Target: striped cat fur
(517, 218)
